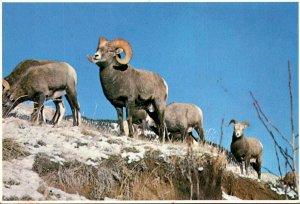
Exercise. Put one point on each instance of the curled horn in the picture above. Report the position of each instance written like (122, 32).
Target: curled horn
(102, 41)
(246, 123)
(5, 84)
(233, 121)
(120, 43)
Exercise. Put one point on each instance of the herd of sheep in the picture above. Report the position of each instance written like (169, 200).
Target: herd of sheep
(141, 92)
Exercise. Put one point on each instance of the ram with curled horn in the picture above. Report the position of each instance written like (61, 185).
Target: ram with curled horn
(125, 86)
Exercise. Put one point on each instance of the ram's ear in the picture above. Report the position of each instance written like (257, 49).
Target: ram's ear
(246, 123)
(119, 51)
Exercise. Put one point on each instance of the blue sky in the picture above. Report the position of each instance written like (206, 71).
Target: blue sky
(210, 54)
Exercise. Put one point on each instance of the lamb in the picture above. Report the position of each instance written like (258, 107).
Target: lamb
(43, 82)
(289, 179)
(125, 86)
(181, 119)
(18, 72)
(245, 148)
(139, 117)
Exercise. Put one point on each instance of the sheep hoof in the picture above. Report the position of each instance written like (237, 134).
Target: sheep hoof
(121, 134)
(35, 123)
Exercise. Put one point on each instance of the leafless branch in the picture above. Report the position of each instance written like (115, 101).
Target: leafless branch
(278, 162)
(268, 121)
(283, 153)
(221, 136)
(291, 102)
(292, 124)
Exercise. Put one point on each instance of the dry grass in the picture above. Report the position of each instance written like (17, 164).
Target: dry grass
(148, 179)
(12, 150)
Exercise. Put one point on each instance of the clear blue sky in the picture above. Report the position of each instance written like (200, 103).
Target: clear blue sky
(210, 54)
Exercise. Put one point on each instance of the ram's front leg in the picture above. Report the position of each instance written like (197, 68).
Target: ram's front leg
(120, 120)
(40, 99)
(129, 108)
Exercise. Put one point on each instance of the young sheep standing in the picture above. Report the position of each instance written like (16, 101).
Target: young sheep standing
(181, 119)
(245, 148)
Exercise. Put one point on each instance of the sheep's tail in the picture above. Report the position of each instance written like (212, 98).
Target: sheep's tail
(71, 73)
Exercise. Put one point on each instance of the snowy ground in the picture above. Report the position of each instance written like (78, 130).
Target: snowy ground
(68, 143)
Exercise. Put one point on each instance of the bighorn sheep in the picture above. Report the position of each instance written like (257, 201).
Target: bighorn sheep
(181, 119)
(289, 179)
(245, 148)
(125, 86)
(43, 82)
(18, 72)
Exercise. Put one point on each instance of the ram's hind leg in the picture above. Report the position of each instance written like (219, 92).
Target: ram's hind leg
(61, 111)
(57, 102)
(160, 108)
(72, 99)
(258, 170)
(200, 132)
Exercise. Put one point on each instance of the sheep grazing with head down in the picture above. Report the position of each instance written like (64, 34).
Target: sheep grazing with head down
(127, 87)
(19, 71)
(245, 148)
(43, 82)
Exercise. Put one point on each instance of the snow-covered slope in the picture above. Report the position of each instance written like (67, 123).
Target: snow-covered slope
(85, 144)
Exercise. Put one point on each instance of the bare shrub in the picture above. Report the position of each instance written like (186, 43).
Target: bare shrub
(12, 150)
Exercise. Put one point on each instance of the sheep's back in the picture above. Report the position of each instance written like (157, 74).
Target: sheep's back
(182, 115)
(150, 85)
(254, 145)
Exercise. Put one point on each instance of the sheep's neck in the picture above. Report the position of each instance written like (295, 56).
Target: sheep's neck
(235, 138)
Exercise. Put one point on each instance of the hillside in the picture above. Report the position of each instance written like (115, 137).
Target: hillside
(92, 162)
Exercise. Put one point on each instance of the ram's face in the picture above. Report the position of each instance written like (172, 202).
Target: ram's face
(107, 51)
(239, 129)
(7, 101)
(104, 53)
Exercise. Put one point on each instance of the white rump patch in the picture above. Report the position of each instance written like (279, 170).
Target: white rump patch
(167, 89)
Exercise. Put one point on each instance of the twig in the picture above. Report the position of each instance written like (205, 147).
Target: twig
(221, 136)
(286, 156)
(277, 157)
(268, 121)
(292, 123)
